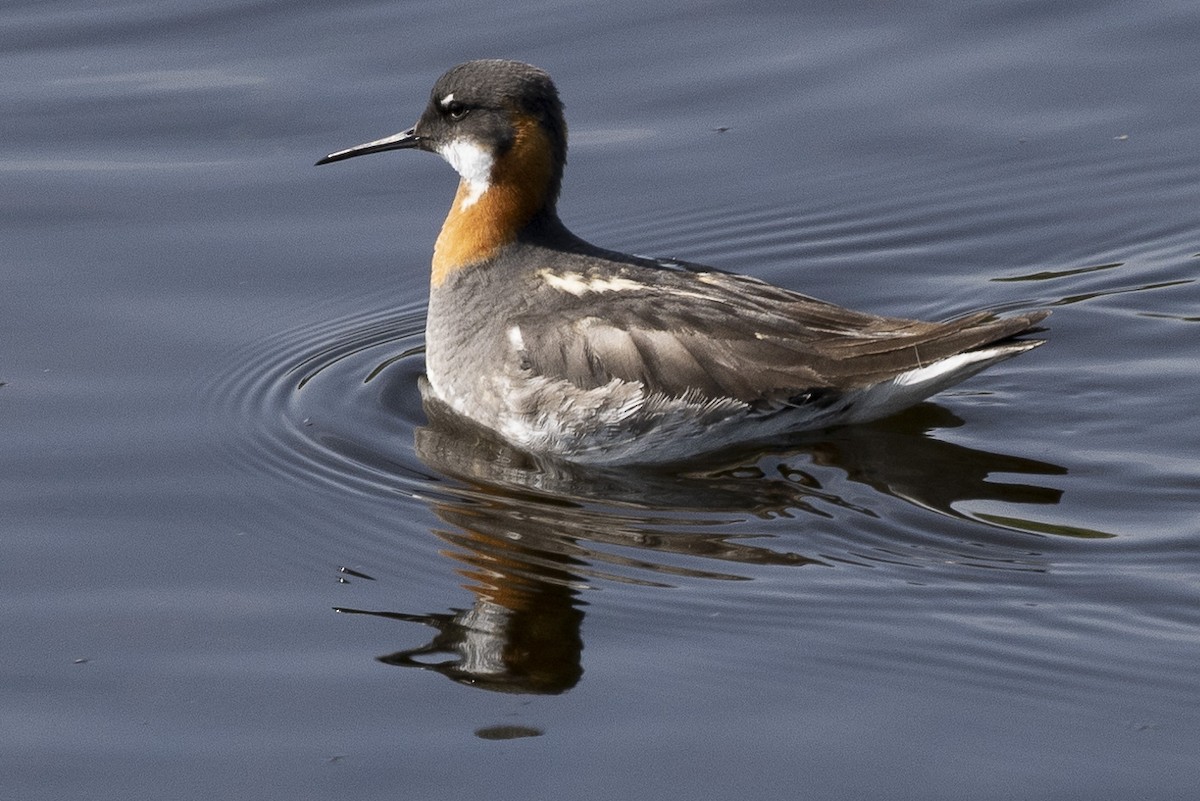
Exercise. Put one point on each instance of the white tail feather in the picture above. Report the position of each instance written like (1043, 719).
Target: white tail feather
(906, 389)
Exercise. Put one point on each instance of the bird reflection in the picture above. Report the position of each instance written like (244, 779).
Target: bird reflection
(528, 535)
(521, 635)
(526, 554)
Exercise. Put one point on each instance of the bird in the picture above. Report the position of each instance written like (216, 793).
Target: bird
(591, 356)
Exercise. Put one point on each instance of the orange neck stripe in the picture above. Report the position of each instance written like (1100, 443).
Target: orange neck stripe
(518, 190)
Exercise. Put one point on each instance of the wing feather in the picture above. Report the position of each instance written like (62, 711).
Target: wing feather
(719, 335)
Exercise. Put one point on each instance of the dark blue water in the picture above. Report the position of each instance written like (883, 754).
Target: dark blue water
(238, 559)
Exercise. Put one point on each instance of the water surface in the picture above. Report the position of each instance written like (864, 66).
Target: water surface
(240, 559)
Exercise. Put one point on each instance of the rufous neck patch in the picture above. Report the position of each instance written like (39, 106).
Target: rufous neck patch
(488, 214)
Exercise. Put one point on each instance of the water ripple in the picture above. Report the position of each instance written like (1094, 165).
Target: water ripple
(336, 405)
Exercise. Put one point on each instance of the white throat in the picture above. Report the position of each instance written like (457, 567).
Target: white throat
(473, 163)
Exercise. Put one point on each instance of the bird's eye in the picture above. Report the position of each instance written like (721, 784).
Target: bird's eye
(456, 110)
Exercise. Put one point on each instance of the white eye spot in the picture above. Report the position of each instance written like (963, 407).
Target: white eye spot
(473, 163)
(515, 339)
(447, 100)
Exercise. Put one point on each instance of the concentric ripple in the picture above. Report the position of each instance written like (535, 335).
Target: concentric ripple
(337, 405)
(333, 402)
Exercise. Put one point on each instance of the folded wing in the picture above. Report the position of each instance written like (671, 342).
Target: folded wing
(710, 335)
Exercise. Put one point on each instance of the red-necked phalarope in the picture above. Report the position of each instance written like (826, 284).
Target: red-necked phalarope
(567, 349)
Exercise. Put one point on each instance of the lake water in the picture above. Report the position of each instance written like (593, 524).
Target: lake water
(237, 560)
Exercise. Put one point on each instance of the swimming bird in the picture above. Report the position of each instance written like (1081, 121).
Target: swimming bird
(569, 350)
